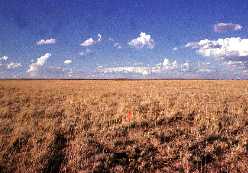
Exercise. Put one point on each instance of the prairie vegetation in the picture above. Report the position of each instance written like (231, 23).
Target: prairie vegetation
(123, 126)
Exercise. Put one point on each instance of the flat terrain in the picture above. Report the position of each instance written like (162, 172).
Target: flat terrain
(123, 126)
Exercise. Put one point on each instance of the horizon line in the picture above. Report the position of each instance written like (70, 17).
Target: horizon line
(120, 79)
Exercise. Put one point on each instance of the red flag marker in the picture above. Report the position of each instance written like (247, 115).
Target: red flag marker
(129, 116)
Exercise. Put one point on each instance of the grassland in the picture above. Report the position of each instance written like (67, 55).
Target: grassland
(123, 126)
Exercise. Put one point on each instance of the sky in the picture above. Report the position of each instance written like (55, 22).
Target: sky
(124, 39)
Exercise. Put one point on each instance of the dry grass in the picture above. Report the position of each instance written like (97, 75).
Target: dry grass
(123, 126)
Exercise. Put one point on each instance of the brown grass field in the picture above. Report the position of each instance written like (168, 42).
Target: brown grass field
(123, 126)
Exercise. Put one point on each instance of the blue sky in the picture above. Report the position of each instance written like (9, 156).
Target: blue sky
(124, 38)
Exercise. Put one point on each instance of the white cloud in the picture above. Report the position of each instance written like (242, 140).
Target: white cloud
(68, 61)
(91, 41)
(204, 67)
(175, 48)
(35, 67)
(117, 45)
(13, 65)
(185, 66)
(99, 37)
(234, 48)
(88, 42)
(204, 70)
(192, 45)
(144, 40)
(165, 66)
(221, 27)
(47, 41)
(125, 69)
(4, 58)
(168, 65)
(234, 63)
(170, 68)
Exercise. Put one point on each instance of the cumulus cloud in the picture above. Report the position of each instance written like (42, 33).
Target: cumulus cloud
(125, 69)
(68, 61)
(165, 66)
(169, 65)
(91, 41)
(144, 40)
(233, 48)
(47, 41)
(13, 65)
(221, 27)
(35, 67)
(4, 58)
(169, 68)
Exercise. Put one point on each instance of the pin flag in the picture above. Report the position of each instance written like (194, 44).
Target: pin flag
(129, 116)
